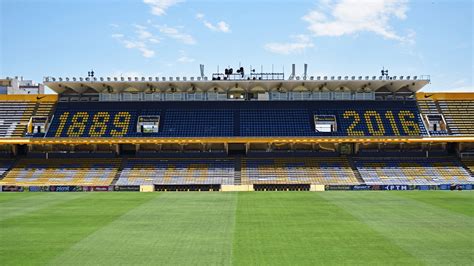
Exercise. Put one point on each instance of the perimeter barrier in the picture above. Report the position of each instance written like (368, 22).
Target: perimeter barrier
(217, 187)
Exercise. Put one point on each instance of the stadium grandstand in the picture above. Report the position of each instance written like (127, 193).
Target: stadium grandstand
(235, 132)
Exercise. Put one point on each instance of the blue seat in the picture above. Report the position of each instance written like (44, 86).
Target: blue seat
(233, 119)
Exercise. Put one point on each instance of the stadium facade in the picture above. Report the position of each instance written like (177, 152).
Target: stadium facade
(238, 132)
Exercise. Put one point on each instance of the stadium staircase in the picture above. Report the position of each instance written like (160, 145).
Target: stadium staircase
(6, 166)
(46, 109)
(119, 171)
(41, 109)
(438, 109)
(355, 170)
(238, 171)
(430, 107)
(468, 164)
(21, 130)
(3, 173)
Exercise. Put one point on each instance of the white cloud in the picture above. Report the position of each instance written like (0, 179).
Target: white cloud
(140, 45)
(117, 36)
(113, 25)
(159, 7)
(183, 58)
(346, 17)
(199, 15)
(300, 43)
(143, 33)
(220, 26)
(154, 40)
(174, 33)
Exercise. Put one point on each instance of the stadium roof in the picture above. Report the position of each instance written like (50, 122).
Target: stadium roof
(116, 85)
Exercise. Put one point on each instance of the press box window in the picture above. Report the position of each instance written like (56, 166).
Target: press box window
(148, 124)
(325, 123)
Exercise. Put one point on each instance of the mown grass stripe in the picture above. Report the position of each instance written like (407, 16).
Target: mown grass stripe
(173, 229)
(29, 203)
(8, 196)
(35, 238)
(432, 234)
(262, 228)
(461, 202)
(278, 228)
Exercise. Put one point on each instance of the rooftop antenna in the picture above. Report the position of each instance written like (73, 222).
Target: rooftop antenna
(293, 70)
(384, 72)
(201, 66)
(305, 71)
(90, 74)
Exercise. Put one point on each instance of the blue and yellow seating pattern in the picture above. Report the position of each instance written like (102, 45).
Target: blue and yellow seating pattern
(415, 171)
(469, 163)
(5, 165)
(180, 171)
(459, 116)
(41, 172)
(298, 170)
(14, 117)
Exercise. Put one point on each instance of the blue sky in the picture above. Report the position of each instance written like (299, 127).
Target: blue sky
(172, 37)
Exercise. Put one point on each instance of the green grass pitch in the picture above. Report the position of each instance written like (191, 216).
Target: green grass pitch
(248, 228)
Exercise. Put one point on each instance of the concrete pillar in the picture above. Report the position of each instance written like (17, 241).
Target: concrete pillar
(356, 148)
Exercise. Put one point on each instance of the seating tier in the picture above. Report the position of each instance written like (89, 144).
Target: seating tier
(182, 171)
(14, 117)
(41, 172)
(415, 171)
(321, 171)
(232, 119)
(459, 116)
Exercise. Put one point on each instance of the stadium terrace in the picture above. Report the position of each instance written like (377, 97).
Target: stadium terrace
(235, 131)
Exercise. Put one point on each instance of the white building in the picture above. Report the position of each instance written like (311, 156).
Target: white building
(20, 86)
